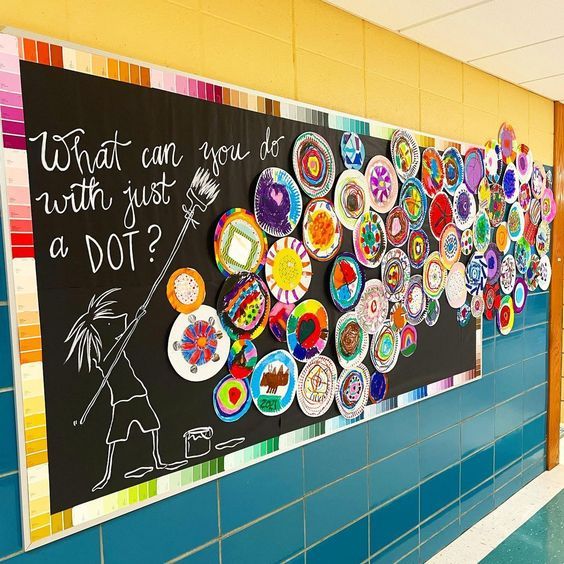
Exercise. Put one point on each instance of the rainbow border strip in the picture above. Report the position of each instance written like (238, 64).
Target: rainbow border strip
(40, 526)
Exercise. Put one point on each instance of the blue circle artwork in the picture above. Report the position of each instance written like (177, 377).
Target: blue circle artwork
(352, 150)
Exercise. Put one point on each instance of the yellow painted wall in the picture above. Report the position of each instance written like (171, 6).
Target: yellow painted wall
(302, 49)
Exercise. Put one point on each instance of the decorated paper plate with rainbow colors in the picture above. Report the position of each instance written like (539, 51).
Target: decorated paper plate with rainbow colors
(314, 164)
(316, 386)
(406, 155)
(382, 184)
(307, 330)
(351, 197)
(352, 391)
(231, 398)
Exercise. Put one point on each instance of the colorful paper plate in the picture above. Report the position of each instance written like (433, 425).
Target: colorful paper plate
(502, 239)
(378, 387)
(544, 272)
(322, 230)
(372, 308)
(524, 197)
(505, 315)
(493, 161)
(531, 276)
(464, 314)
(535, 211)
(492, 298)
(476, 274)
(538, 180)
(548, 206)
(408, 340)
(382, 184)
(244, 306)
(351, 341)
(463, 208)
(307, 330)
(450, 247)
(314, 164)
(197, 346)
(385, 348)
(278, 319)
(467, 242)
(440, 214)
(398, 316)
(530, 229)
(406, 155)
(484, 194)
(522, 254)
(346, 282)
(288, 270)
(520, 292)
(239, 243)
(507, 274)
(415, 300)
(492, 256)
(455, 289)
(434, 275)
(316, 386)
(496, 205)
(414, 202)
(433, 312)
(352, 150)
(432, 172)
(351, 197)
(395, 274)
(508, 143)
(524, 163)
(231, 398)
(278, 202)
(473, 169)
(482, 232)
(515, 221)
(273, 384)
(477, 306)
(397, 226)
(242, 358)
(543, 238)
(370, 240)
(417, 248)
(510, 184)
(352, 391)
(454, 169)
(186, 290)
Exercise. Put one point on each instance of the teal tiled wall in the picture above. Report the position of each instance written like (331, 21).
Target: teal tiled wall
(398, 488)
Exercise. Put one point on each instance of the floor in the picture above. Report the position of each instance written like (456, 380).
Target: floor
(528, 528)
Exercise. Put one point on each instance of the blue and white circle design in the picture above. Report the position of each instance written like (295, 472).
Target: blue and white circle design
(352, 150)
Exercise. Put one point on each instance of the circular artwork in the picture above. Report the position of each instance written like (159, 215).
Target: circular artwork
(535, 211)
(351, 197)
(185, 290)
(242, 358)
(510, 184)
(231, 398)
(492, 298)
(433, 172)
(197, 347)
(244, 306)
(467, 241)
(454, 169)
(278, 319)
(492, 256)
(515, 222)
(538, 180)
(352, 391)
(239, 243)
(440, 214)
(505, 315)
(520, 293)
(372, 308)
(496, 205)
(370, 240)
(316, 386)
(476, 274)
(346, 282)
(477, 306)
(397, 226)
(413, 200)
(378, 387)
(314, 164)
(385, 348)
(544, 272)
(543, 238)
(463, 208)
(433, 312)
(522, 254)
(524, 163)
(351, 341)
(273, 383)
(507, 274)
(395, 272)
(548, 206)
(398, 316)
(288, 270)
(322, 230)
(434, 275)
(352, 150)
(531, 277)
(502, 239)
(508, 143)
(530, 229)
(473, 169)
(464, 314)
(415, 300)
(307, 330)
(455, 289)
(484, 194)
(417, 248)
(481, 232)
(449, 245)
(493, 162)
(408, 340)
(278, 202)
(382, 184)
(524, 197)
(405, 154)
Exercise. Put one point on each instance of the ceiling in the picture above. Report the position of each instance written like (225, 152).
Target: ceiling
(521, 41)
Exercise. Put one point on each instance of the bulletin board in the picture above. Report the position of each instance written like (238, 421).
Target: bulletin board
(119, 181)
